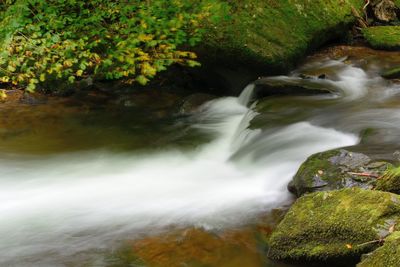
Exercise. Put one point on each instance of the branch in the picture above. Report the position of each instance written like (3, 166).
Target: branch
(365, 11)
(364, 174)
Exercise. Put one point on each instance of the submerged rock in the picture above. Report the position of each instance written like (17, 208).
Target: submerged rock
(393, 73)
(334, 226)
(388, 255)
(383, 37)
(336, 169)
(192, 247)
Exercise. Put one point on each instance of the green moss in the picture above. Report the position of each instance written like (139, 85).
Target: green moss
(316, 165)
(390, 181)
(383, 37)
(334, 225)
(276, 33)
(388, 255)
(393, 73)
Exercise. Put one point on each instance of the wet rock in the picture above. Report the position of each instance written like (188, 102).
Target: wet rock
(388, 255)
(282, 85)
(336, 169)
(334, 226)
(392, 73)
(192, 102)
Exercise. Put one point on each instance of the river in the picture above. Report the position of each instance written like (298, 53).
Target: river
(83, 183)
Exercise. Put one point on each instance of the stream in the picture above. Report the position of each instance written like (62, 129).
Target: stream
(78, 181)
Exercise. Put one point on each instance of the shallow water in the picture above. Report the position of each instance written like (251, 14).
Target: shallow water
(82, 180)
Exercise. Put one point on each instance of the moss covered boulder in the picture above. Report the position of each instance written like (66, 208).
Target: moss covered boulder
(388, 255)
(392, 73)
(383, 37)
(270, 36)
(334, 226)
(336, 169)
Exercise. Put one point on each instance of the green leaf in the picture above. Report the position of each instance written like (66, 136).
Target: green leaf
(142, 80)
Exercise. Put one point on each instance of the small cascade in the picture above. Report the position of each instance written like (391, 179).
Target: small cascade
(246, 95)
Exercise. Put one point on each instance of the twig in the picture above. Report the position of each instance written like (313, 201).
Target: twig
(371, 242)
(364, 174)
(367, 4)
(365, 11)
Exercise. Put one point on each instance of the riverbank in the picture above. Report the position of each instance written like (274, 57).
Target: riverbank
(241, 42)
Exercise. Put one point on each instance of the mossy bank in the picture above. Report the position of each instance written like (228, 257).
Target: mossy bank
(270, 36)
(383, 37)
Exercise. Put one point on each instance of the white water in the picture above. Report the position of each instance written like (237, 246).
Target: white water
(51, 208)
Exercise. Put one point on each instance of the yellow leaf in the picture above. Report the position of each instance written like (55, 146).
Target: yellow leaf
(143, 24)
(3, 94)
(42, 77)
(79, 73)
(144, 58)
(145, 37)
(5, 79)
(349, 246)
(147, 70)
(67, 63)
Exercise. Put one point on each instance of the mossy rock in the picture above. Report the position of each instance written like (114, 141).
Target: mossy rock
(383, 37)
(270, 36)
(334, 226)
(393, 73)
(388, 255)
(389, 183)
(336, 169)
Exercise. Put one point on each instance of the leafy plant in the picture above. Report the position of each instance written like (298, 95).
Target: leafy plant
(42, 41)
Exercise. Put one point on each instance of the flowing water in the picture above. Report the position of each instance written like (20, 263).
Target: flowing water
(81, 194)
